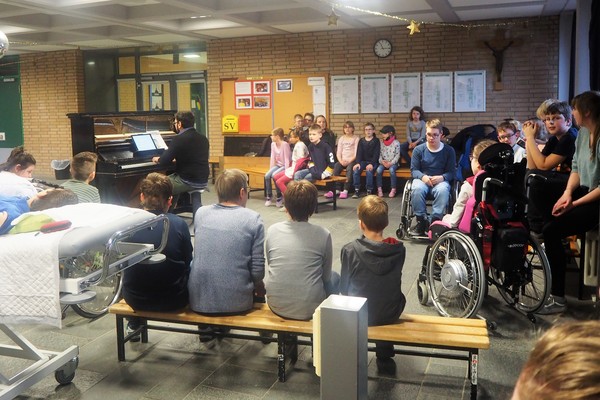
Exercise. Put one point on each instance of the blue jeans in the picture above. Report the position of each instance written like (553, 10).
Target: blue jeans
(268, 178)
(369, 174)
(441, 197)
(303, 174)
(393, 178)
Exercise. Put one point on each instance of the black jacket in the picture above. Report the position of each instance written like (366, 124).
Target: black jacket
(190, 152)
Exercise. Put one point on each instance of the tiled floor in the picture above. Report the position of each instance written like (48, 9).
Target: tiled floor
(176, 366)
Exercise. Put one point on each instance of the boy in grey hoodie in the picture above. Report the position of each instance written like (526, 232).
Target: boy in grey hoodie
(372, 268)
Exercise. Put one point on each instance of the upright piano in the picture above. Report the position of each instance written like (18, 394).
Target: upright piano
(120, 169)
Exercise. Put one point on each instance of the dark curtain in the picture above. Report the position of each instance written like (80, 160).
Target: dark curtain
(595, 46)
(573, 58)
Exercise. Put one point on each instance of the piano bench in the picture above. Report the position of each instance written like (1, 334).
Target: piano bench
(196, 197)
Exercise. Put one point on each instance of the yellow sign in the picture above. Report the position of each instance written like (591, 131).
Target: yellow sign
(230, 124)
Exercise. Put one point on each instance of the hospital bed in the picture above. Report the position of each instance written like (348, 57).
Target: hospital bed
(41, 274)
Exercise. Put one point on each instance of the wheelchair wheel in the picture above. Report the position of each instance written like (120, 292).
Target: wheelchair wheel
(107, 293)
(528, 286)
(405, 211)
(455, 275)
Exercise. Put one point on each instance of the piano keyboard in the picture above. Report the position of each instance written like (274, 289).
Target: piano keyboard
(136, 165)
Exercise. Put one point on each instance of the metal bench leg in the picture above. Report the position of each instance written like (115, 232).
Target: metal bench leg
(474, 360)
(120, 338)
(281, 350)
(144, 333)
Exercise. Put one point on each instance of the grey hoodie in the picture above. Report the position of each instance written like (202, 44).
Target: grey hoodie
(374, 270)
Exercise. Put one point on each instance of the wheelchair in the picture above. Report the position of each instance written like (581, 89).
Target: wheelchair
(407, 214)
(498, 251)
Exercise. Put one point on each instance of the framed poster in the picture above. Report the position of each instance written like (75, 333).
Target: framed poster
(406, 91)
(344, 94)
(469, 91)
(243, 102)
(262, 102)
(437, 91)
(261, 87)
(375, 93)
(283, 85)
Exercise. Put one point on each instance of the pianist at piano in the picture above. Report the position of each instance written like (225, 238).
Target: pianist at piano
(121, 167)
(189, 151)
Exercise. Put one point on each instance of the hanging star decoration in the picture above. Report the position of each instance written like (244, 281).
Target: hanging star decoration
(413, 26)
(333, 18)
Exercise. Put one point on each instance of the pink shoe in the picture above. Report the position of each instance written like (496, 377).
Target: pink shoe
(379, 192)
(329, 194)
(344, 194)
(392, 193)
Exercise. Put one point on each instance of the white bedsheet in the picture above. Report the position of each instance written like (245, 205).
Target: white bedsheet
(29, 271)
(29, 279)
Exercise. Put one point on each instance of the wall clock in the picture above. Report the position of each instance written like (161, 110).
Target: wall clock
(382, 48)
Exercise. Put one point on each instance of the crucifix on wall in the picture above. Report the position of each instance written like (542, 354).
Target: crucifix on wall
(498, 45)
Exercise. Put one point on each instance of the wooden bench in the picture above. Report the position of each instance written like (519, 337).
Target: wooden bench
(329, 184)
(462, 337)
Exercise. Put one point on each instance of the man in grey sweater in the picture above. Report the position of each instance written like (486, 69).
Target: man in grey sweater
(229, 263)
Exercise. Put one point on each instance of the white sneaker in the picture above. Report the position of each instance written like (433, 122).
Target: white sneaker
(279, 202)
(268, 203)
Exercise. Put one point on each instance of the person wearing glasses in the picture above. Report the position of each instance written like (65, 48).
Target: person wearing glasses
(189, 151)
(509, 133)
(229, 262)
(433, 167)
(553, 162)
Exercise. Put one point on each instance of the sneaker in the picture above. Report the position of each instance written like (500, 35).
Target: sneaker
(344, 194)
(129, 330)
(419, 229)
(282, 209)
(553, 306)
(268, 203)
(355, 195)
(379, 192)
(279, 202)
(392, 193)
(329, 194)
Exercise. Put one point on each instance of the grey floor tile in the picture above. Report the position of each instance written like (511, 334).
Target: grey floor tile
(241, 380)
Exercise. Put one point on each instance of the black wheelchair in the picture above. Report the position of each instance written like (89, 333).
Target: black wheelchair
(498, 251)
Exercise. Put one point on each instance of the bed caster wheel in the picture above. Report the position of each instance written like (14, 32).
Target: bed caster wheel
(422, 293)
(400, 233)
(492, 326)
(66, 373)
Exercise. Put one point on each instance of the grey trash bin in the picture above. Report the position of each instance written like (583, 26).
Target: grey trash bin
(61, 169)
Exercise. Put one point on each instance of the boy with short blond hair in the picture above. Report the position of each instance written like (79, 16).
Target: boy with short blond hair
(372, 268)
(83, 171)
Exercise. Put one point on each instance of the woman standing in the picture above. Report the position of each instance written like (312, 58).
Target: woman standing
(577, 210)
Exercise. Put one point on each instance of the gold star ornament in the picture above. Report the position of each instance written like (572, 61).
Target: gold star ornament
(333, 18)
(413, 26)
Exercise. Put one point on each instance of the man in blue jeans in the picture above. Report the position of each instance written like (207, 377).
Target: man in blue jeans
(433, 167)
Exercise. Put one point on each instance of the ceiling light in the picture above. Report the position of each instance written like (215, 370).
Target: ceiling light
(191, 56)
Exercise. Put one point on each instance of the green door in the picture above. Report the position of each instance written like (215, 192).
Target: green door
(11, 117)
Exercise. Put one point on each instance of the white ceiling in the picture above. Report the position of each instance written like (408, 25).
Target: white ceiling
(47, 25)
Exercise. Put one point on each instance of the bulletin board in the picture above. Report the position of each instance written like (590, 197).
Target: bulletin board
(287, 95)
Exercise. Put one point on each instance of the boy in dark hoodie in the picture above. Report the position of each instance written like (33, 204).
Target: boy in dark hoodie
(372, 268)
(322, 159)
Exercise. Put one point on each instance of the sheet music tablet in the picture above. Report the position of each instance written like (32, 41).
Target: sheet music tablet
(143, 142)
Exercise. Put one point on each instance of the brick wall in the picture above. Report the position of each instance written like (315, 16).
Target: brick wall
(52, 86)
(530, 72)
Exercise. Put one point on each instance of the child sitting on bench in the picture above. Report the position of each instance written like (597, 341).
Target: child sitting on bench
(372, 268)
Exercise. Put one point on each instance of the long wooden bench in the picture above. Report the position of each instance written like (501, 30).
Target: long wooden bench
(463, 337)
